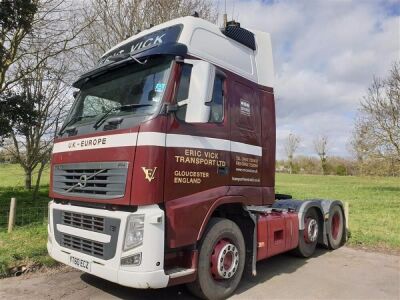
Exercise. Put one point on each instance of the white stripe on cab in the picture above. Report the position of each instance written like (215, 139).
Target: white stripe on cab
(158, 139)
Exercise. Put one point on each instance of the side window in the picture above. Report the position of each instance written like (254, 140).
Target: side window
(183, 90)
(217, 102)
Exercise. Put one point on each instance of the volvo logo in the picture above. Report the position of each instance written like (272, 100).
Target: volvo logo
(82, 181)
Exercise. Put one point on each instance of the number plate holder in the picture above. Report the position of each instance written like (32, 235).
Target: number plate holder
(79, 263)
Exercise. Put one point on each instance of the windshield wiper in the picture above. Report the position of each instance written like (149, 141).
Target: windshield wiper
(120, 108)
(72, 121)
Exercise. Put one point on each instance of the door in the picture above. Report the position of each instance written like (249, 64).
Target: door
(197, 157)
(246, 149)
(197, 162)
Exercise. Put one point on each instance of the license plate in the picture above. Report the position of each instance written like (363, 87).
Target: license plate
(79, 263)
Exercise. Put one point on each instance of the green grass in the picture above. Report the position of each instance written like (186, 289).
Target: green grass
(12, 175)
(12, 185)
(26, 245)
(374, 204)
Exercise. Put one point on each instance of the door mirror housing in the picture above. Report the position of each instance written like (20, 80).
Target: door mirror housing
(200, 91)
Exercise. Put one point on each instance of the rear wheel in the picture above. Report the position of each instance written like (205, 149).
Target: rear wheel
(308, 239)
(336, 227)
(221, 260)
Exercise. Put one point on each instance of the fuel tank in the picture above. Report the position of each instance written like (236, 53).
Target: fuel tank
(277, 232)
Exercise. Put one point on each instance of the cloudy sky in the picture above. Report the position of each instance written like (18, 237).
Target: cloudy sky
(325, 53)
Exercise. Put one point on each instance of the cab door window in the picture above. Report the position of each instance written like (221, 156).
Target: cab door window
(183, 90)
(217, 102)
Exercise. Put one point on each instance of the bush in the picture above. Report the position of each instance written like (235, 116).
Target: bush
(341, 170)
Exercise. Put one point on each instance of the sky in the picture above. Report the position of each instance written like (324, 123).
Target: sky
(325, 56)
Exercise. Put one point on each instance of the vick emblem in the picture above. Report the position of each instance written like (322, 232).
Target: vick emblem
(149, 173)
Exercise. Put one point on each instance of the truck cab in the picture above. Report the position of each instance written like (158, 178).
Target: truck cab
(170, 139)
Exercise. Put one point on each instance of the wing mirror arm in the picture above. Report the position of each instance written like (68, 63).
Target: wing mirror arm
(169, 108)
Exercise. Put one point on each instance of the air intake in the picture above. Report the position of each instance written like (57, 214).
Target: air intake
(240, 35)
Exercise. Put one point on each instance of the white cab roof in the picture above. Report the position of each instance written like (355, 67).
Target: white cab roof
(205, 41)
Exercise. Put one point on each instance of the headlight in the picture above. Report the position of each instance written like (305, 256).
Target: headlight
(134, 232)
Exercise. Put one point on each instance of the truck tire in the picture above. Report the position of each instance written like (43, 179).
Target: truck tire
(221, 260)
(336, 227)
(308, 238)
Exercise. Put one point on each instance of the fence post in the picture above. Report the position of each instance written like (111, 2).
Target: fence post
(11, 217)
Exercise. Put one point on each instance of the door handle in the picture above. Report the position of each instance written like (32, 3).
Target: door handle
(223, 170)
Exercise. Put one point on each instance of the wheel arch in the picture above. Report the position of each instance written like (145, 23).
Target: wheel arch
(224, 207)
(235, 211)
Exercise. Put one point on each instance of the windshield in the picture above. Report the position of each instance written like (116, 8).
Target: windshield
(133, 90)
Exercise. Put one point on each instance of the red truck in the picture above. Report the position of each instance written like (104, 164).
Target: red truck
(164, 171)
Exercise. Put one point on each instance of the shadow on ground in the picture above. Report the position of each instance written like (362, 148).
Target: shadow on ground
(281, 264)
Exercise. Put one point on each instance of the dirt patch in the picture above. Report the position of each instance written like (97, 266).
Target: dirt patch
(376, 249)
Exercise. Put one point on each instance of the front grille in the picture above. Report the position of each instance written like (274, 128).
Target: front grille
(87, 222)
(102, 180)
(80, 241)
(83, 245)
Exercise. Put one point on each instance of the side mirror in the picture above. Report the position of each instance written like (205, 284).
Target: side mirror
(200, 91)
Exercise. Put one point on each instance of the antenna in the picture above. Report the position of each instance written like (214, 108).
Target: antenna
(225, 16)
(233, 10)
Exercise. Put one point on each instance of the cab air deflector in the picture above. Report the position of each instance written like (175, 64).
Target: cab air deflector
(173, 49)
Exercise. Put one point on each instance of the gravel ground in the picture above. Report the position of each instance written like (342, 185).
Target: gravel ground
(342, 274)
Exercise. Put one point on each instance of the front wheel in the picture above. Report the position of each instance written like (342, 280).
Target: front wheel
(221, 260)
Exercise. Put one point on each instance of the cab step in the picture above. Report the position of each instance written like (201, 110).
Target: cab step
(179, 272)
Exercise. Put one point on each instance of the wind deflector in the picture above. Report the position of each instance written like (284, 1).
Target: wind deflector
(175, 49)
(167, 35)
(240, 35)
(159, 42)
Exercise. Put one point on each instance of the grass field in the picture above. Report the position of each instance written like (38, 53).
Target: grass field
(26, 245)
(13, 176)
(374, 212)
(374, 204)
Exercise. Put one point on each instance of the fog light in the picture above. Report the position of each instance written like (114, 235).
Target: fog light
(133, 260)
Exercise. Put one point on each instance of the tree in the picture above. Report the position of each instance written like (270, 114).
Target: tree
(321, 148)
(13, 110)
(377, 128)
(117, 20)
(35, 30)
(43, 93)
(35, 45)
(16, 20)
(291, 145)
